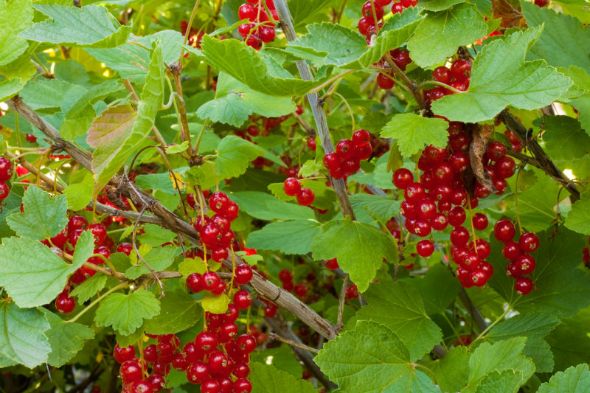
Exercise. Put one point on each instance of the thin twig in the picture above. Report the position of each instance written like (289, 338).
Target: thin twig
(295, 344)
(341, 302)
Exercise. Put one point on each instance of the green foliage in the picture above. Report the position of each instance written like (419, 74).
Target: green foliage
(379, 362)
(125, 313)
(438, 36)
(179, 312)
(43, 217)
(413, 132)
(15, 16)
(266, 378)
(359, 248)
(266, 207)
(66, 339)
(32, 274)
(288, 237)
(573, 380)
(86, 26)
(501, 77)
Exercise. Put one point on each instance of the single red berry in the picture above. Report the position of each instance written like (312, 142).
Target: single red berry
(305, 197)
(457, 216)
(267, 33)
(206, 341)
(372, 10)
(523, 285)
(242, 299)
(242, 385)
(524, 264)
(243, 274)
(459, 236)
(480, 221)
(397, 8)
(64, 303)
(504, 230)
(292, 186)
(332, 264)
(211, 386)
(123, 354)
(5, 169)
(31, 138)
(195, 282)
(461, 68)
(142, 387)
(511, 250)
(425, 248)
(246, 343)
(180, 362)
(442, 74)
(218, 364)
(125, 248)
(150, 353)
(197, 372)
(211, 281)
(385, 81)
(528, 242)
(361, 137)
(247, 11)
(130, 372)
(4, 191)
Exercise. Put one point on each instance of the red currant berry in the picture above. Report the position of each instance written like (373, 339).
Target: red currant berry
(5, 169)
(511, 250)
(402, 178)
(504, 230)
(123, 354)
(459, 236)
(425, 248)
(130, 372)
(524, 264)
(442, 74)
(242, 299)
(480, 221)
(197, 372)
(292, 186)
(242, 385)
(305, 197)
(385, 81)
(246, 343)
(195, 282)
(64, 303)
(243, 274)
(457, 216)
(528, 242)
(523, 285)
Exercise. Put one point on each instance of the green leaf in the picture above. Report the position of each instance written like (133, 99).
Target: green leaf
(107, 159)
(9, 88)
(359, 248)
(564, 40)
(506, 355)
(438, 288)
(125, 313)
(378, 363)
(215, 304)
(304, 12)
(44, 215)
(573, 380)
(450, 372)
(288, 237)
(375, 206)
(79, 195)
(247, 66)
(155, 235)
(266, 207)
(558, 262)
(578, 219)
(570, 342)
(439, 35)
(267, 378)
(439, 5)
(564, 138)
(42, 93)
(234, 155)
(89, 288)
(158, 259)
(32, 274)
(91, 26)
(500, 77)
(234, 102)
(15, 16)
(413, 132)
(329, 44)
(399, 306)
(533, 326)
(179, 312)
(22, 335)
(66, 339)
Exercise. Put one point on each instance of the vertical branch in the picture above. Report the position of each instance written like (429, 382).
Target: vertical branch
(316, 107)
(175, 70)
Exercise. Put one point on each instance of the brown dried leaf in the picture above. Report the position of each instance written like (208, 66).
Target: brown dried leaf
(509, 12)
(111, 126)
(477, 149)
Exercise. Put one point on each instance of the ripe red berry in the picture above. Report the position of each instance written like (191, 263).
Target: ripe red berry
(123, 354)
(511, 250)
(267, 33)
(246, 343)
(305, 197)
(197, 372)
(292, 186)
(459, 236)
(461, 68)
(4, 191)
(130, 372)
(205, 341)
(523, 285)
(372, 10)
(5, 169)
(524, 264)
(504, 230)
(425, 248)
(385, 82)
(195, 282)
(242, 385)
(442, 74)
(247, 11)
(243, 274)
(401, 57)
(64, 303)
(528, 242)
(242, 299)
(211, 386)
(480, 221)
(211, 281)
(402, 178)
(218, 364)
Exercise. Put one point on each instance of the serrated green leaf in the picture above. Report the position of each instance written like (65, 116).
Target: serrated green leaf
(378, 363)
(564, 138)
(304, 12)
(266, 207)
(359, 248)
(374, 207)
(247, 66)
(107, 159)
(500, 78)
(89, 288)
(66, 339)
(289, 237)
(506, 381)
(234, 102)
(578, 219)
(32, 274)
(44, 215)
(438, 36)
(215, 304)
(502, 356)
(125, 313)
(439, 5)
(573, 380)
(413, 132)
(234, 155)
(79, 195)
(158, 259)
(267, 378)
(43, 93)
(179, 312)
(22, 335)
(15, 16)
(91, 26)
(533, 326)
(450, 372)
(155, 235)
(564, 40)
(399, 306)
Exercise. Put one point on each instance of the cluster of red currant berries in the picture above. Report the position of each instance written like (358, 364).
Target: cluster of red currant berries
(401, 58)
(195, 37)
(456, 76)
(258, 27)
(5, 175)
(66, 241)
(215, 231)
(346, 160)
(292, 187)
(439, 198)
(521, 263)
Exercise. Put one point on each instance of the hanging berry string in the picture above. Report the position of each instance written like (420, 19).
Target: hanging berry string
(258, 26)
